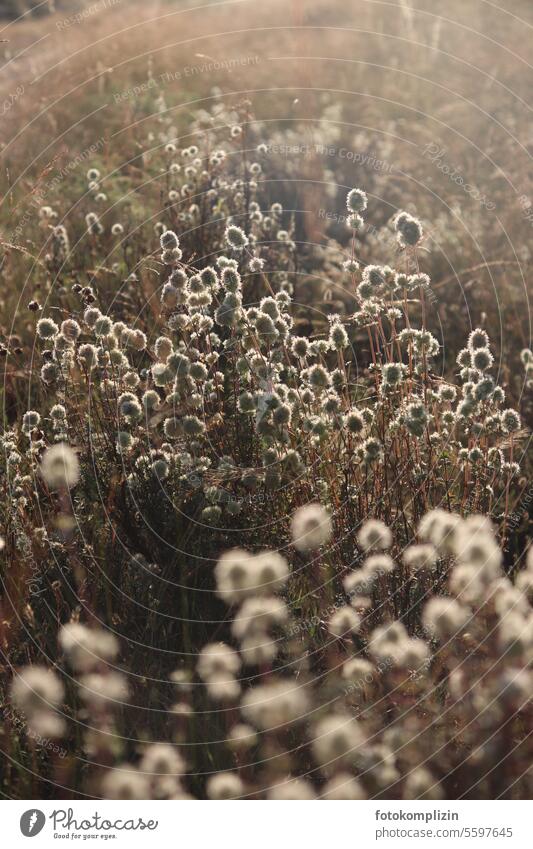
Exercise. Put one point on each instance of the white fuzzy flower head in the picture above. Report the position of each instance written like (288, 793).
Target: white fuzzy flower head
(343, 786)
(236, 238)
(420, 557)
(311, 527)
(103, 690)
(467, 584)
(474, 544)
(439, 528)
(412, 654)
(387, 641)
(218, 661)
(258, 650)
(242, 737)
(70, 329)
(30, 420)
(86, 648)
(169, 240)
(374, 535)
(259, 615)
(292, 789)
(336, 740)
(344, 622)
(358, 671)
(515, 633)
(445, 617)
(223, 690)
(511, 421)
(162, 759)
(408, 228)
(125, 782)
(509, 600)
(421, 784)
(356, 201)
(60, 468)
(163, 347)
(224, 785)
(359, 582)
(46, 723)
(271, 573)
(379, 564)
(514, 687)
(273, 705)
(36, 688)
(46, 328)
(524, 583)
(234, 575)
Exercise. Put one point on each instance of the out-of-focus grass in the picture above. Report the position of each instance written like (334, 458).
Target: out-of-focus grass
(404, 86)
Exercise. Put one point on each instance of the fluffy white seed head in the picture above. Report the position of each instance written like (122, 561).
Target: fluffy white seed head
(36, 688)
(125, 782)
(60, 468)
(310, 527)
(218, 661)
(276, 704)
(374, 535)
(344, 622)
(292, 789)
(224, 785)
(161, 759)
(336, 740)
(421, 784)
(343, 786)
(445, 618)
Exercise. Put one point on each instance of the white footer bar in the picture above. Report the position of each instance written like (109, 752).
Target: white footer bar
(232, 825)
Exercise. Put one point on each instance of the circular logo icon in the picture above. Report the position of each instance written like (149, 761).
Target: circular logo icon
(32, 822)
